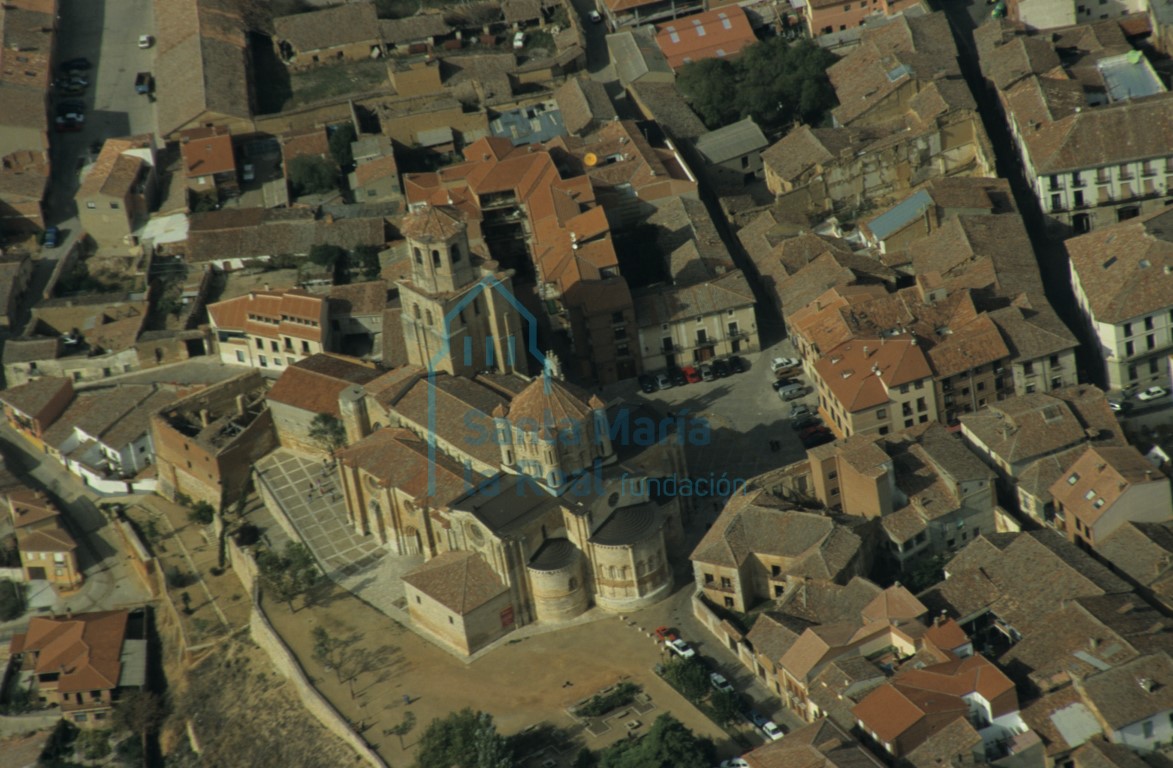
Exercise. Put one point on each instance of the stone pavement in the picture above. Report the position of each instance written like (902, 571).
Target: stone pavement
(302, 490)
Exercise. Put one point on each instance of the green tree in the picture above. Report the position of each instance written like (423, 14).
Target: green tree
(289, 573)
(141, 713)
(11, 600)
(708, 86)
(328, 650)
(668, 744)
(326, 255)
(310, 174)
(328, 431)
(367, 258)
(403, 728)
(201, 513)
(464, 739)
(340, 140)
(726, 708)
(689, 676)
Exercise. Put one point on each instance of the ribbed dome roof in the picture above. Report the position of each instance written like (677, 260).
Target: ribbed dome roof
(553, 555)
(432, 223)
(550, 401)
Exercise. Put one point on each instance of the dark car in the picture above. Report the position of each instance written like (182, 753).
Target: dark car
(78, 63)
(806, 422)
(737, 364)
(811, 431)
(785, 381)
(646, 383)
(720, 368)
(817, 439)
(51, 237)
(71, 106)
(678, 377)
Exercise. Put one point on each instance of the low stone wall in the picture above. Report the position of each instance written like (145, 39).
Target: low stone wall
(286, 663)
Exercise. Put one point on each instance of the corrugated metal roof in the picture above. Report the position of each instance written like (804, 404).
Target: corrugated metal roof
(908, 210)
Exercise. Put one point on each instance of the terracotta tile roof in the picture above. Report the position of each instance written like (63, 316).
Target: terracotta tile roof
(806, 149)
(398, 459)
(1098, 753)
(94, 414)
(860, 372)
(822, 744)
(664, 103)
(1103, 474)
(311, 142)
(551, 401)
(84, 650)
(1032, 333)
(825, 602)
(206, 153)
(374, 170)
(894, 604)
(583, 102)
(1119, 700)
(690, 242)
(356, 299)
(432, 223)
(1060, 715)
(673, 304)
(28, 507)
(31, 399)
(462, 411)
(52, 539)
(772, 636)
(460, 581)
(114, 173)
(719, 33)
(24, 176)
(271, 314)
(1126, 270)
(1020, 57)
(988, 254)
(314, 384)
(956, 745)
(251, 232)
(1143, 551)
(413, 29)
(26, 43)
(324, 28)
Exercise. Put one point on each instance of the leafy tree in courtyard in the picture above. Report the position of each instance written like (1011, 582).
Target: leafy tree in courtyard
(328, 431)
(201, 513)
(689, 676)
(668, 744)
(289, 573)
(464, 739)
(327, 255)
(340, 140)
(367, 257)
(775, 82)
(311, 174)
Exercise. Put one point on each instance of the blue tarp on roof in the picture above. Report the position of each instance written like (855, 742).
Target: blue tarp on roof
(905, 212)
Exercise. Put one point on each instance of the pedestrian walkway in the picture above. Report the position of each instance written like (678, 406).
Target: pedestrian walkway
(309, 496)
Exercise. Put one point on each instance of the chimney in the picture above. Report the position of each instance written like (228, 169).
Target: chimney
(1146, 684)
(204, 417)
(267, 287)
(866, 350)
(240, 405)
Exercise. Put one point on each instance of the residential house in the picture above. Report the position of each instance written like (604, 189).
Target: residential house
(1076, 120)
(115, 197)
(761, 546)
(720, 33)
(376, 180)
(311, 388)
(634, 13)
(902, 714)
(1123, 281)
(82, 663)
(271, 328)
(28, 33)
(230, 238)
(1133, 702)
(206, 443)
(459, 599)
(47, 551)
(414, 34)
(1106, 487)
(905, 115)
(1054, 14)
(24, 181)
(15, 270)
(584, 105)
(356, 314)
(822, 743)
(209, 161)
(733, 154)
(1144, 553)
(202, 70)
(1030, 440)
(925, 210)
(31, 408)
(825, 18)
(930, 493)
(347, 32)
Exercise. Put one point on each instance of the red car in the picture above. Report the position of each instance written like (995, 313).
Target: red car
(812, 431)
(691, 374)
(665, 633)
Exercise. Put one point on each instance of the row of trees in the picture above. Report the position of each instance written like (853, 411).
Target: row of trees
(774, 81)
(691, 677)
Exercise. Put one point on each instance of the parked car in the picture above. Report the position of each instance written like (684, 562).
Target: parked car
(798, 410)
(792, 391)
(818, 438)
(665, 633)
(647, 383)
(783, 364)
(734, 762)
(1122, 406)
(67, 125)
(707, 373)
(784, 381)
(680, 648)
(595, 17)
(76, 77)
(757, 718)
(811, 431)
(143, 83)
(772, 731)
(71, 89)
(519, 41)
(679, 378)
(1152, 393)
(720, 368)
(737, 364)
(664, 381)
(805, 422)
(51, 237)
(249, 172)
(720, 683)
(79, 63)
(145, 41)
(691, 375)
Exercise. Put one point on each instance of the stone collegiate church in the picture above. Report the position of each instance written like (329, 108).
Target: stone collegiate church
(526, 510)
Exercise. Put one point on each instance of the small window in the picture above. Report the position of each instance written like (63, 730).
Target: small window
(91, 205)
(115, 206)
(1073, 479)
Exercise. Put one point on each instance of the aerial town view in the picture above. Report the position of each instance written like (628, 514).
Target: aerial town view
(586, 383)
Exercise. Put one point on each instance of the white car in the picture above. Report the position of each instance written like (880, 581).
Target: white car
(595, 17)
(736, 762)
(783, 364)
(680, 648)
(145, 41)
(772, 731)
(720, 683)
(519, 41)
(1152, 393)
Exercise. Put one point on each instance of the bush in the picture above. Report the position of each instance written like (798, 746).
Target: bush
(688, 676)
(247, 535)
(310, 175)
(202, 513)
(600, 704)
(11, 600)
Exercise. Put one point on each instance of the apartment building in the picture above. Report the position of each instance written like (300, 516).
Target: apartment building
(824, 17)
(270, 329)
(1122, 276)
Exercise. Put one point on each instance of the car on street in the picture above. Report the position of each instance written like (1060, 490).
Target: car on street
(664, 381)
(782, 364)
(249, 172)
(720, 368)
(647, 383)
(805, 422)
(1152, 393)
(772, 731)
(145, 41)
(71, 107)
(811, 431)
(1121, 406)
(519, 41)
(737, 364)
(68, 125)
(595, 17)
(665, 633)
(51, 237)
(76, 76)
(691, 375)
(680, 648)
(78, 63)
(720, 683)
(818, 438)
(71, 89)
(783, 381)
(679, 378)
(757, 718)
(707, 373)
(798, 410)
(734, 762)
